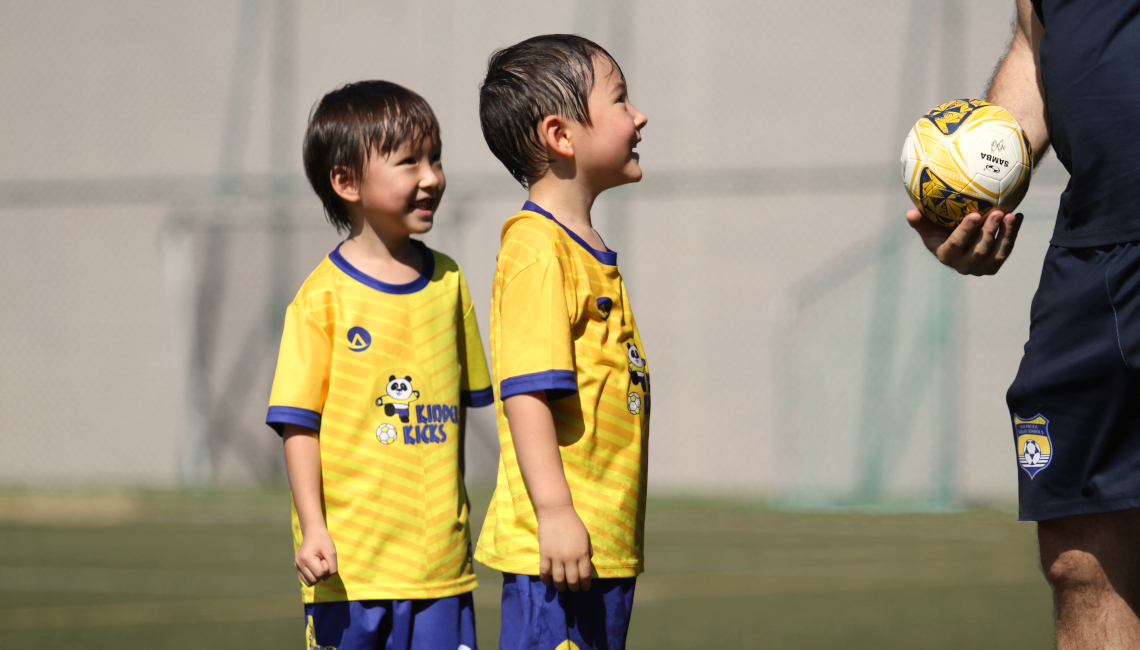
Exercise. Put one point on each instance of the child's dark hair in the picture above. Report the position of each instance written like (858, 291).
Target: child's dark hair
(353, 122)
(544, 75)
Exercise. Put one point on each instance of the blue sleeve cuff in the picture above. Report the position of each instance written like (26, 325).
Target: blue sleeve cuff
(279, 416)
(477, 398)
(556, 383)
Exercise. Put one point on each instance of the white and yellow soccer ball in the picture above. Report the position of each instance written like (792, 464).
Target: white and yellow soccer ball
(634, 403)
(966, 156)
(386, 433)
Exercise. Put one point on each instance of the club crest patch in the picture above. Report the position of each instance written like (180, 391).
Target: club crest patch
(1034, 446)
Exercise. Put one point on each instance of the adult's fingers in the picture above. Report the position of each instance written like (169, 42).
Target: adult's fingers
(985, 242)
(953, 251)
(1003, 241)
(932, 234)
(924, 226)
(1011, 225)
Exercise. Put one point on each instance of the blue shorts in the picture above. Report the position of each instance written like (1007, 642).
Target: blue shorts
(538, 617)
(1075, 403)
(430, 624)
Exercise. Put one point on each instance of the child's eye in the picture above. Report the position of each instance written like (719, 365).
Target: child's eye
(408, 161)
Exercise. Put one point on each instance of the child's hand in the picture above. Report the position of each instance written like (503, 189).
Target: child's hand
(564, 549)
(316, 559)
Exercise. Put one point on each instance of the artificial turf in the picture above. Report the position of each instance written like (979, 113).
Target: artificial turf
(172, 570)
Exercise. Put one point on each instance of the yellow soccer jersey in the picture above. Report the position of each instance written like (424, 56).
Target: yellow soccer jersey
(561, 322)
(380, 370)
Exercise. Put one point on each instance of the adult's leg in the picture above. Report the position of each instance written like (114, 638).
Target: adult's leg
(1092, 562)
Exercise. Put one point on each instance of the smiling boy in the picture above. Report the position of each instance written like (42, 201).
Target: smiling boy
(566, 522)
(379, 358)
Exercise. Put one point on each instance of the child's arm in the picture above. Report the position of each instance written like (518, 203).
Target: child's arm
(316, 559)
(563, 541)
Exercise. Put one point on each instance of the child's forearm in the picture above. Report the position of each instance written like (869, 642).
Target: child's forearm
(536, 447)
(563, 540)
(303, 465)
(316, 558)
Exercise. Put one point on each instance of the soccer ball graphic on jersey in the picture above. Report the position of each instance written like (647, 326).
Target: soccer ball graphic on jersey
(399, 394)
(634, 403)
(1032, 453)
(965, 156)
(386, 433)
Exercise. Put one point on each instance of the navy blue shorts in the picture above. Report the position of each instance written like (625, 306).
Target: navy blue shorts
(538, 617)
(1075, 402)
(430, 624)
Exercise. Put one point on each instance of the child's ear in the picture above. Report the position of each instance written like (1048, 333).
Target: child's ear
(344, 184)
(556, 135)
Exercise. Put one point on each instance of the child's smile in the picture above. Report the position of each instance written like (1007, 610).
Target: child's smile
(424, 207)
(606, 147)
(400, 192)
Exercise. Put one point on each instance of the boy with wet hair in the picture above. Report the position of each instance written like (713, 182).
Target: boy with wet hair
(379, 358)
(566, 522)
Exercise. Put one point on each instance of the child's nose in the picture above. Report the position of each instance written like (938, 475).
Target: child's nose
(639, 119)
(431, 178)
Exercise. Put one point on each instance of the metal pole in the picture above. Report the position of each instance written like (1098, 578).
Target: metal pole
(255, 354)
(284, 154)
(196, 458)
(877, 424)
(949, 320)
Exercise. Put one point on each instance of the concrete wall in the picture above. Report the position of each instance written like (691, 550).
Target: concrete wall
(116, 117)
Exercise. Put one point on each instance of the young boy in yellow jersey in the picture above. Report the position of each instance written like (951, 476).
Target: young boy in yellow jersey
(379, 358)
(569, 367)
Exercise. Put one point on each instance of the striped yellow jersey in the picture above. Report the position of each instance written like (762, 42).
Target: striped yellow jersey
(381, 371)
(561, 323)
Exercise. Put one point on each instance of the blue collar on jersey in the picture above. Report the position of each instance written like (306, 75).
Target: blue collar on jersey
(398, 289)
(607, 256)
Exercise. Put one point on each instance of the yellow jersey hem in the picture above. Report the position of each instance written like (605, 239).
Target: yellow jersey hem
(389, 592)
(528, 568)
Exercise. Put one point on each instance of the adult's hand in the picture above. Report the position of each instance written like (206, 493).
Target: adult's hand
(976, 247)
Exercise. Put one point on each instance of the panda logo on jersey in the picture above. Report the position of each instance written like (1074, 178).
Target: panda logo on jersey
(399, 395)
(637, 374)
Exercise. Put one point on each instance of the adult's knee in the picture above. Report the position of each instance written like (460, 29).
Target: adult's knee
(1090, 552)
(1072, 570)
